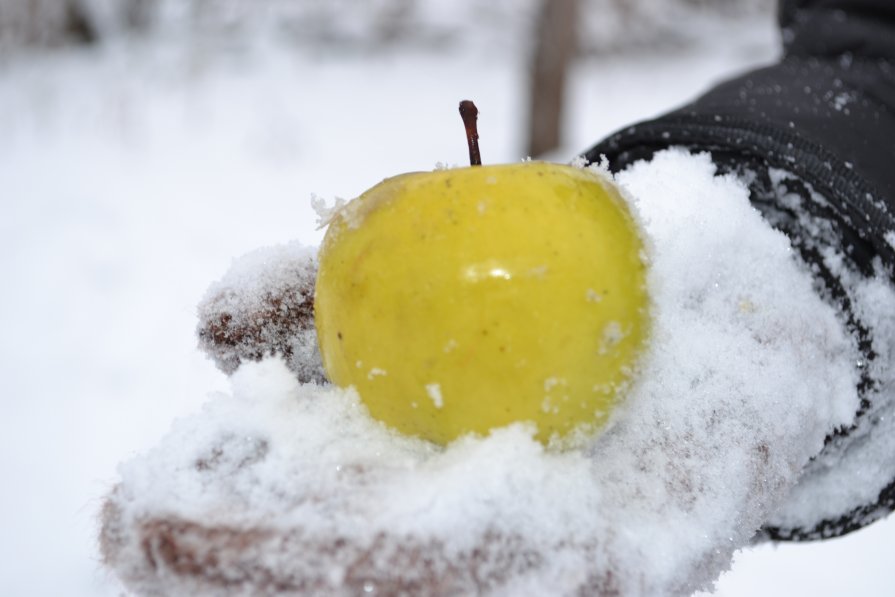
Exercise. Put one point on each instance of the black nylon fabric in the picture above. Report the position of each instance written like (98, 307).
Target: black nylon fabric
(825, 28)
(826, 113)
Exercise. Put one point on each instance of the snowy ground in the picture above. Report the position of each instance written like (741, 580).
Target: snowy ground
(130, 177)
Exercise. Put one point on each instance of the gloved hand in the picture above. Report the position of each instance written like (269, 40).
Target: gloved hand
(294, 489)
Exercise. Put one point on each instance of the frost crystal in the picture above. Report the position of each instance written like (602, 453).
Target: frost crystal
(326, 213)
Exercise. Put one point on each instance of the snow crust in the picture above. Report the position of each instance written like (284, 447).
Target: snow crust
(747, 372)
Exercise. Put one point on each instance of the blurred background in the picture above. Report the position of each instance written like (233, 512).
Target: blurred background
(145, 143)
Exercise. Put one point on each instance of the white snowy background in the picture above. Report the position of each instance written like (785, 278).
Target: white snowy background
(131, 173)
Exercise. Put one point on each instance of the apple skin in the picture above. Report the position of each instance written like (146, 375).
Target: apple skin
(458, 301)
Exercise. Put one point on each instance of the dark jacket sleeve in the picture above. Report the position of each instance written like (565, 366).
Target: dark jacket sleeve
(825, 115)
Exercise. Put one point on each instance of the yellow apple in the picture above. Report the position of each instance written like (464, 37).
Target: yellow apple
(458, 301)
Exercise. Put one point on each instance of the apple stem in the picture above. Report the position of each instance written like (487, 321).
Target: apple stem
(469, 113)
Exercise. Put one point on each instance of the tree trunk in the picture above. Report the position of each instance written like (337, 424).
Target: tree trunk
(555, 49)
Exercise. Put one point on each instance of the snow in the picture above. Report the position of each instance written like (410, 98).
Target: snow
(859, 469)
(433, 390)
(704, 448)
(132, 175)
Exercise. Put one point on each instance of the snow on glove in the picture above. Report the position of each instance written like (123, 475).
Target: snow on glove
(264, 306)
(812, 135)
